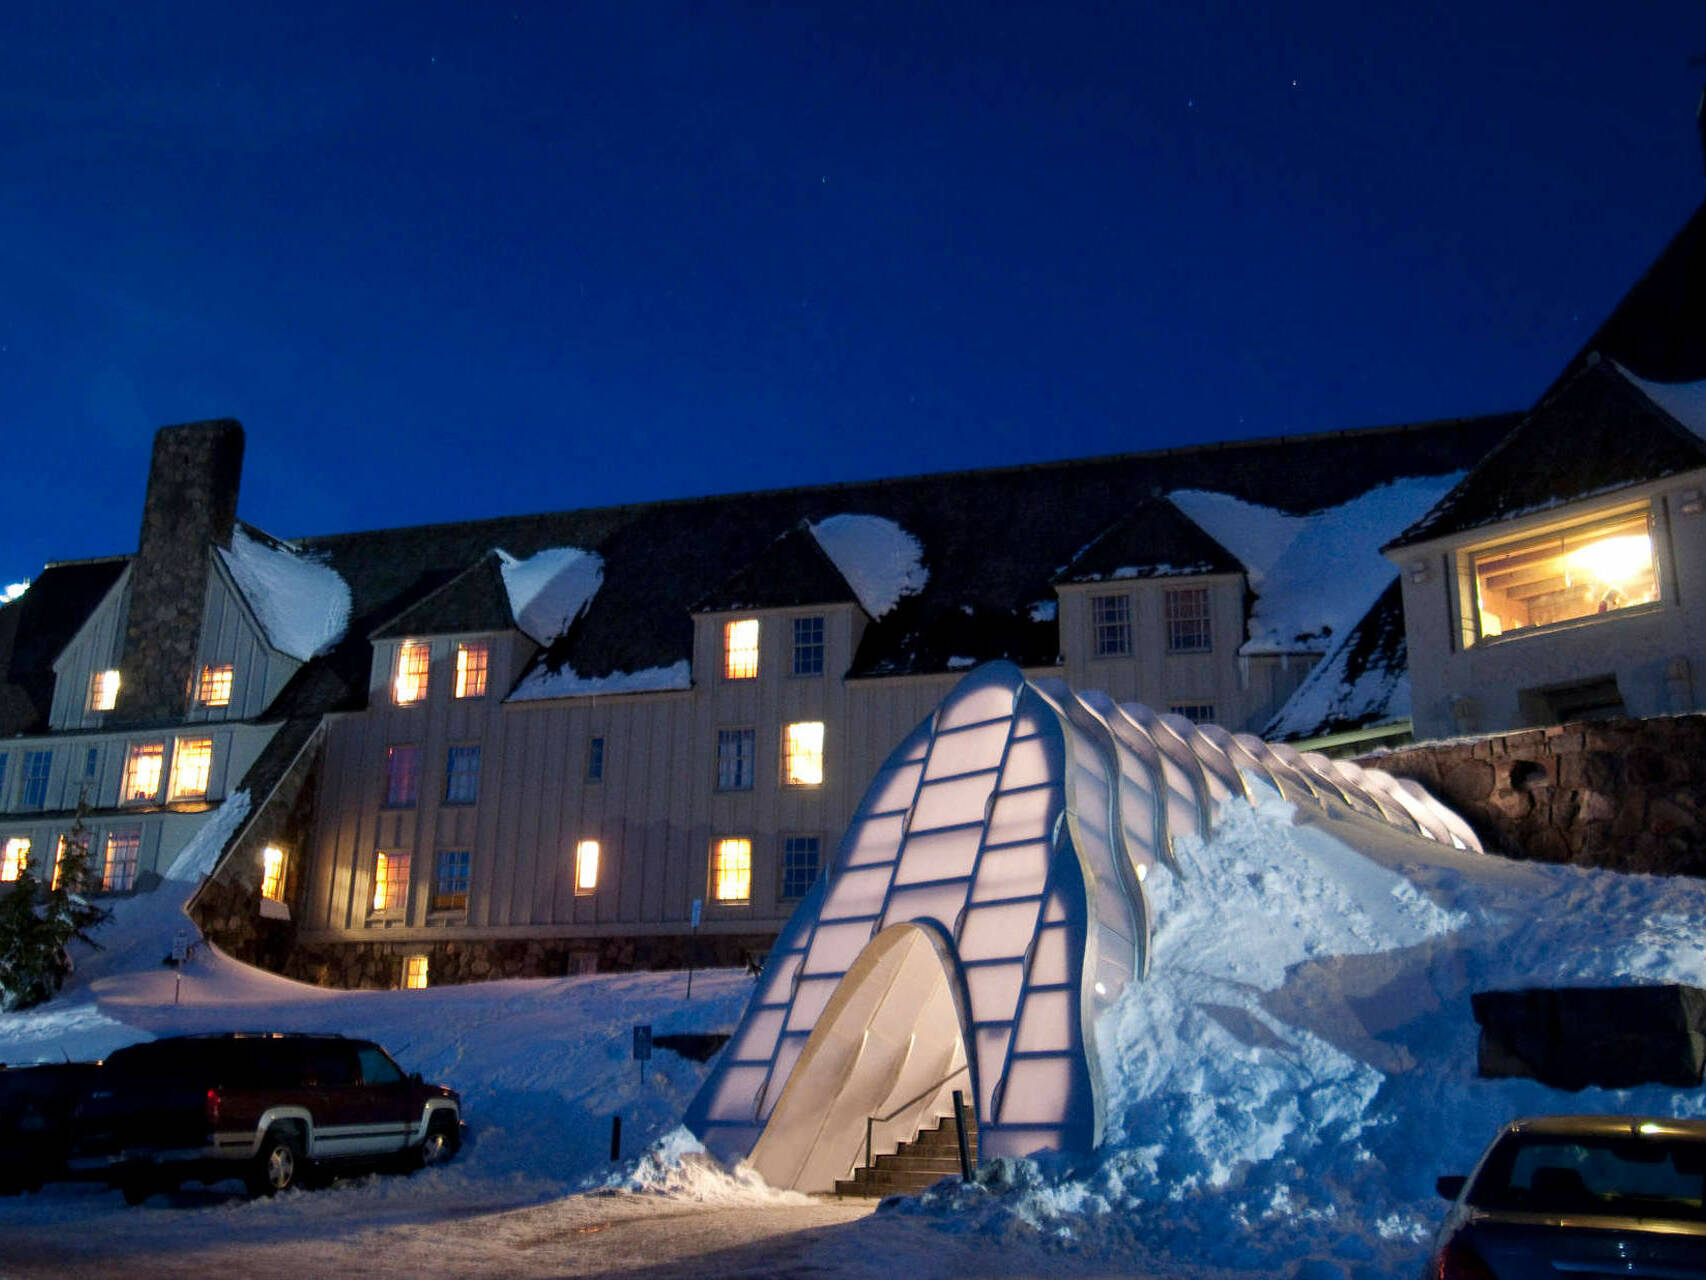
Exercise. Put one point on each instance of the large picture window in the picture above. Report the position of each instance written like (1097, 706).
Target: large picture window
(1583, 570)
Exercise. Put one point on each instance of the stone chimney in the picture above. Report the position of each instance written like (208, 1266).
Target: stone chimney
(191, 505)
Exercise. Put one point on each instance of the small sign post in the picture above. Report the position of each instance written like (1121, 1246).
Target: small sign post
(180, 953)
(643, 1047)
(698, 908)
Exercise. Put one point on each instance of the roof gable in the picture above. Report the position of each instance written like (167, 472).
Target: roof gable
(792, 571)
(36, 627)
(1596, 434)
(1157, 540)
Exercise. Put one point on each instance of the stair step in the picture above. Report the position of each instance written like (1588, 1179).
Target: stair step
(918, 1164)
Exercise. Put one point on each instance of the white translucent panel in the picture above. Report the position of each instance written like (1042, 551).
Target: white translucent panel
(1461, 833)
(1292, 784)
(1224, 781)
(893, 789)
(1047, 1023)
(1022, 815)
(969, 704)
(1027, 723)
(737, 1093)
(917, 746)
(836, 946)
(1292, 762)
(967, 750)
(1114, 961)
(779, 974)
(938, 855)
(1113, 911)
(991, 1048)
(809, 999)
(1138, 814)
(994, 991)
(950, 804)
(1001, 930)
(938, 902)
(1049, 965)
(1018, 871)
(1054, 911)
(1028, 764)
(1036, 1090)
(1090, 799)
(877, 840)
(1355, 778)
(758, 1037)
(786, 1056)
(858, 892)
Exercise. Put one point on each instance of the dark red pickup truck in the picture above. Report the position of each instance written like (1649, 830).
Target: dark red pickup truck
(269, 1108)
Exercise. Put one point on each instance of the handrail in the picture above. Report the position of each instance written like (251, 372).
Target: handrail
(872, 1121)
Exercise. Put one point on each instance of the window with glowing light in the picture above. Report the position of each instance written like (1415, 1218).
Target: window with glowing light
(1583, 570)
(390, 881)
(471, 670)
(214, 687)
(415, 973)
(731, 870)
(143, 765)
(414, 663)
(802, 753)
(58, 862)
(103, 690)
(586, 868)
(118, 873)
(272, 873)
(192, 763)
(740, 649)
(14, 857)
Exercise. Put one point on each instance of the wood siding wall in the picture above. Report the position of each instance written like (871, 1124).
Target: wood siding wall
(230, 634)
(94, 648)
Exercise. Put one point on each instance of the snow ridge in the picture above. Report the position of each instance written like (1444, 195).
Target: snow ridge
(301, 602)
(550, 589)
(881, 561)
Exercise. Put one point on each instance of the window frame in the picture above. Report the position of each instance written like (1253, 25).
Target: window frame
(1186, 708)
(784, 869)
(589, 854)
(1185, 630)
(127, 838)
(404, 673)
(816, 651)
(452, 752)
(740, 661)
(1107, 629)
(417, 971)
(393, 774)
(186, 749)
(103, 690)
(391, 873)
(594, 758)
(469, 673)
(127, 787)
(215, 684)
(29, 779)
(446, 874)
(743, 774)
(791, 754)
(15, 852)
(721, 845)
(272, 873)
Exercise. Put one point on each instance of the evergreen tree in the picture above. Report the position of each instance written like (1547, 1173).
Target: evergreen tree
(38, 923)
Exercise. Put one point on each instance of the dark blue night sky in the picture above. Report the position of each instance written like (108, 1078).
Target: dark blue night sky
(447, 261)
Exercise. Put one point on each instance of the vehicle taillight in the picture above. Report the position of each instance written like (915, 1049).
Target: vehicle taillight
(211, 1105)
(1459, 1261)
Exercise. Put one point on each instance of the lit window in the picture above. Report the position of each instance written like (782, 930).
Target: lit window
(800, 861)
(1187, 621)
(462, 775)
(740, 649)
(142, 768)
(1195, 712)
(586, 868)
(731, 870)
(808, 646)
(214, 688)
(14, 857)
(192, 762)
(450, 881)
(414, 661)
(37, 766)
(1581, 571)
(119, 873)
(402, 776)
(595, 759)
(58, 862)
(471, 670)
(390, 881)
(1110, 620)
(272, 873)
(734, 759)
(415, 973)
(802, 754)
(103, 690)
(62, 847)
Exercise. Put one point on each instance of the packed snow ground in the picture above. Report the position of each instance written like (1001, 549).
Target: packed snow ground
(1282, 1090)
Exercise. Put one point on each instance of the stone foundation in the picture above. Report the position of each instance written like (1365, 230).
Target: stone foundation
(1625, 794)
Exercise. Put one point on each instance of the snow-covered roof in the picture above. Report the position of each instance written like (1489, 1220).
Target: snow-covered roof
(549, 589)
(1313, 575)
(1684, 401)
(1363, 681)
(881, 561)
(301, 602)
(541, 682)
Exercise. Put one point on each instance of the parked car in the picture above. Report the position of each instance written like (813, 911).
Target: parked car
(35, 1119)
(272, 1109)
(1578, 1195)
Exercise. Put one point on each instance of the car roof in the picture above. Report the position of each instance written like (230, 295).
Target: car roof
(1608, 1126)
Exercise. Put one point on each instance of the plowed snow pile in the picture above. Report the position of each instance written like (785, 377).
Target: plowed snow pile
(1300, 1064)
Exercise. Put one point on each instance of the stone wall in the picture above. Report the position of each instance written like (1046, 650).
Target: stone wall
(190, 506)
(379, 964)
(1624, 794)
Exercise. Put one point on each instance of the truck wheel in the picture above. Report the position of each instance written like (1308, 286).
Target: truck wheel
(278, 1166)
(443, 1140)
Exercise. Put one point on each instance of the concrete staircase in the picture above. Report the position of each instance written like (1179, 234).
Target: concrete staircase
(934, 1154)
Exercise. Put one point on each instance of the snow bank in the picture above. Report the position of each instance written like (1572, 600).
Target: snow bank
(542, 682)
(549, 589)
(197, 858)
(678, 1165)
(302, 603)
(1314, 576)
(881, 561)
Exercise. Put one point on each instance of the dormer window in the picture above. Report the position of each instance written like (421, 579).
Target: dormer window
(409, 683)
(143, 766)
(740, 649)
(471, 661)
(103, 690)
(214, 688)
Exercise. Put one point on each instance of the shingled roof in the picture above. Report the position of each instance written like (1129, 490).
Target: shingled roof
(474, 600)
(1596, 434)
(37, 626)
(1362, 682)
(1155, 541)
(792, 571)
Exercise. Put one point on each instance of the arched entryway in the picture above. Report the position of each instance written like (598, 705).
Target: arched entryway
(890, 1044)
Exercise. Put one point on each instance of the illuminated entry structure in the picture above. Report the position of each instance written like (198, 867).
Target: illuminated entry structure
(986, 905)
